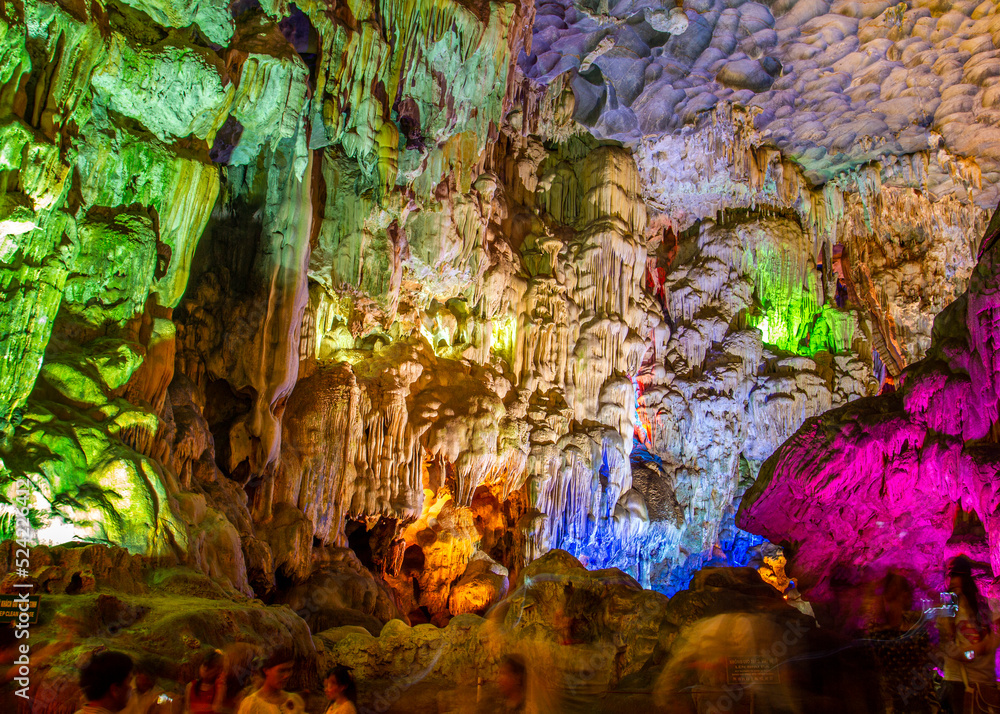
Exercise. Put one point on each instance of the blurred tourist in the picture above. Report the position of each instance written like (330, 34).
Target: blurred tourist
(511, 681)
(10, 650)
(734, 662)
(901, 649)
(241, 662)
(147, 697)
(272, 698)
(969, 640)
(207, 690)
(106, 681)
(510, 694)
(341, 690)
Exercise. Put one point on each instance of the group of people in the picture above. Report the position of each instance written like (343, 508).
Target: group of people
(235, 682)
(113, 684)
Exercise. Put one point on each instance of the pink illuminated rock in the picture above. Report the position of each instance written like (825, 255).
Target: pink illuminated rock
(880, 483)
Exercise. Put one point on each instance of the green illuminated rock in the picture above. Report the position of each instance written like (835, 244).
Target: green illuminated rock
(269, 104)
(88, 485)
(89, 376)
(13, 57)
(174, 91)
(117, 168)
(213, 18)
(31, 286)
(113, 272)
(111, 123)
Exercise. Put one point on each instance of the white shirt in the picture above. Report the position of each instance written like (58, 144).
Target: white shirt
(143, 703)
(966, 636)
(255, 704)
(343, 708)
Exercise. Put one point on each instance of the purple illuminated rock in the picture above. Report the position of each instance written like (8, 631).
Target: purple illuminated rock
(744, 74)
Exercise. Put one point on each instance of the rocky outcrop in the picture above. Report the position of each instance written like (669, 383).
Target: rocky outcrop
(596, 642)
(897, 470)
(98, 596)
(583, 631)
(859, 118)
(731, 290)
(833, 85)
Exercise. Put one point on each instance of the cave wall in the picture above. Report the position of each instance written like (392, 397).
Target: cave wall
(910, 477)
(449, 285)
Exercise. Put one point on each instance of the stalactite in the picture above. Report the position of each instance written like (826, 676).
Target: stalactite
(428, 281)
(905, 454)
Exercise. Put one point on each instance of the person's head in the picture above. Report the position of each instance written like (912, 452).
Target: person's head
(959, 574)
(897, 589)
(340, 682)
(278, 668)
(897, 593)
(145, 675)
(961, 582)
(511, 677)
(106, 680)
(211, 666)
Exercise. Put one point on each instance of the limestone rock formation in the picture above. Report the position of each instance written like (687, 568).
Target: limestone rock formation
(383, 302)
(596, 642)
(583, 631)
(901, 469)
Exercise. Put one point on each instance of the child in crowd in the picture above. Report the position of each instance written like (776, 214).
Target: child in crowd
(202, 695)
(272, 698)
(341, 690)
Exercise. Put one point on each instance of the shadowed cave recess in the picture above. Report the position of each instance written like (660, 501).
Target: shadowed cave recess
(654, 344)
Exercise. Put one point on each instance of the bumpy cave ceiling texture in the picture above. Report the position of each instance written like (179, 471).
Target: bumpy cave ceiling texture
(407, 302)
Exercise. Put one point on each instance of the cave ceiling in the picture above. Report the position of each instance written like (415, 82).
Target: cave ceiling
(453, 284)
